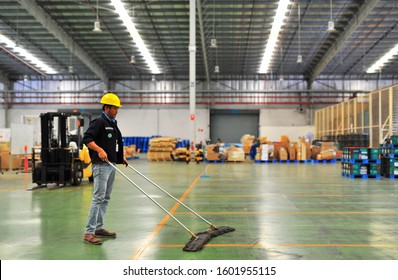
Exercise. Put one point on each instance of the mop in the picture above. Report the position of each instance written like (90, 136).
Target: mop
(198, 240)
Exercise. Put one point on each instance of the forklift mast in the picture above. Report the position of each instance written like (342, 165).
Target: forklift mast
(60, 163)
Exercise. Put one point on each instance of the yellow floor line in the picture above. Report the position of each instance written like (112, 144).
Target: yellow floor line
(207, 245)
(339, 245)
(148, 240)
(295, 213)
(279, 245)
(284, 194)
(279, 185)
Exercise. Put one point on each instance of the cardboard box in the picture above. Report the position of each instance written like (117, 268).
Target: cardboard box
(283, 154)
(236, 154)
(247, 141)
(265, 151)
(285, 139)
(211, 153)
(327, 145)
(263, 140)
(129, 151)
(292, 152)
(328, 154)
(16, 161)
(301, 149)
(5, 147)
(315, 151)
(258, 154)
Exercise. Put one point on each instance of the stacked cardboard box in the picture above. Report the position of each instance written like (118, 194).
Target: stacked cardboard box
(326, 151)
(258, 154)
(235, 154)
(303, 149)
(265, 152)
(213, 153)
(5, 156)
(292, 151)
(4, 147)
(283, 154)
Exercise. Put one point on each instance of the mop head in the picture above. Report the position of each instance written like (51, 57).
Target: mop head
(220, 230)
(196, 244)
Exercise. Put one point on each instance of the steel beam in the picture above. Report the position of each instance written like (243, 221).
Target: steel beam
(46, 20)
(356, 21)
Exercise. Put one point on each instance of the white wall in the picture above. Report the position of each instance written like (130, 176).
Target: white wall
(164, 122)
(16, 116)
(290, 122)
(3, 118)
(175, 122)
(274, 133)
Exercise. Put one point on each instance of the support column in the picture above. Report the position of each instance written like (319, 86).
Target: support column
(192, 71)
(7, 96)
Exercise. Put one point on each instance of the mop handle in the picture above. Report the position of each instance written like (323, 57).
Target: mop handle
(153, 200)
(169, 194)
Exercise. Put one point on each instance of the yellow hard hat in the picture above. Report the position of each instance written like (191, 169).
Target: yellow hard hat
(110, 99)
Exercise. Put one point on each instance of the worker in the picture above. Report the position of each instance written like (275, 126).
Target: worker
(188, 154)
(253, 149)
(104, 140)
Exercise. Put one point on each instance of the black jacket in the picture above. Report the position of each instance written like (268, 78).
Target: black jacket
(107, 135)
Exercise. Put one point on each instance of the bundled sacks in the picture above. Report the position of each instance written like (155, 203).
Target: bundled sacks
(160, 148)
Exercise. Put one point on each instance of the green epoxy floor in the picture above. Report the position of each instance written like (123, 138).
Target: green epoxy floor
(280, 212)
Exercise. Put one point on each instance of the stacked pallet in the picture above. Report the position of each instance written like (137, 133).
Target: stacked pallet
(389, 158)
(361, 162)
(160, 149)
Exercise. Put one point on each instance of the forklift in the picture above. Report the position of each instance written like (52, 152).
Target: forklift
(63, 157)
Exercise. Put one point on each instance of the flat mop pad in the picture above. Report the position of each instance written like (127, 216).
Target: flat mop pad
(200, 239)
(197, 242)
(220, 230)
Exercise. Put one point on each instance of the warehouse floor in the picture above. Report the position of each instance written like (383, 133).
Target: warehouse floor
(280, 212)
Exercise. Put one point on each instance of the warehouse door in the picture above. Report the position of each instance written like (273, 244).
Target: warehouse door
(231, 125)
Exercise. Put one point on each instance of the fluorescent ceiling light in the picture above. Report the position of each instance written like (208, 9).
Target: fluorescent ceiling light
(25, 55)
(376, 67)
(123, 14)
(97, 26)
(273, 37)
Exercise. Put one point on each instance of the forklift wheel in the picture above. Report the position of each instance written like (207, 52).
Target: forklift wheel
(77, 173)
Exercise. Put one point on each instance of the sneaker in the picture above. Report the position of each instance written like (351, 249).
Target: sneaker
(104, 233)
(90, 238)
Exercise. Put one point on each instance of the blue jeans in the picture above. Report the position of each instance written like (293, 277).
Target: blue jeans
(104, 176)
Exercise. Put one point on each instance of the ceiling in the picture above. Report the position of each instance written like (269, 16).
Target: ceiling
(60, 32)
